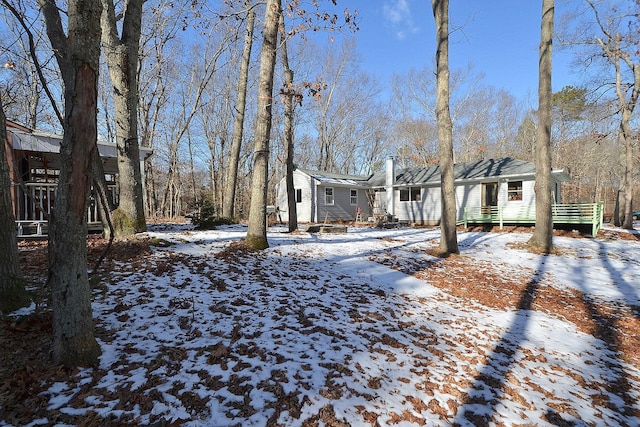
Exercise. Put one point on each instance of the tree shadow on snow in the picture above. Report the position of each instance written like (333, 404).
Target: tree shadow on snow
(607, 329)
(615, 397)
(484, 394)
(629, 291)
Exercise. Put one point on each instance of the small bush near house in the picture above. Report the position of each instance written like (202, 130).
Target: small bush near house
(205, 216)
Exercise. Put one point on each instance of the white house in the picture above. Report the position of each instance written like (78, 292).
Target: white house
(413, 194)
(326, 197)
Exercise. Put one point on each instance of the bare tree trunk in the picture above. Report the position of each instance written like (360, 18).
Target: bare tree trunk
(192, 172)
(289, 93)
(152, 199)
(150, 117)
(542, 237)
(189, 113)
(122, 59)
(78, 56)
(449, 236)
(625, 139)
(12, 292)
(103, 198)
(618, 54)
(616, 208)
(228, 208)
(257, 231)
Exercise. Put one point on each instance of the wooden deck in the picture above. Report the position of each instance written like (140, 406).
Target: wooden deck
(583, 214)
(34, 205)
(39, 229)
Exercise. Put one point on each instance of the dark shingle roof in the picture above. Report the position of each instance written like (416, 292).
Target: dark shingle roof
(488, 168)
(478, 170)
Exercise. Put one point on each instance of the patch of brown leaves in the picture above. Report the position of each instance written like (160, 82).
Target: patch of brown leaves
(495, 285)
(26, 368)
(235, 250)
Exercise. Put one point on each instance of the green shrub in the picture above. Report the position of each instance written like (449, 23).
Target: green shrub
(205, 216)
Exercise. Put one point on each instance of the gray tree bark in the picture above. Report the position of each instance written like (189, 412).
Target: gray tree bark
(619, 46)
(289, 93)
(78, 55)
(449, 235)
(228, 207)
(121, 54)
(542, 238)
(12, 292)
(625, 139)
(257, 232)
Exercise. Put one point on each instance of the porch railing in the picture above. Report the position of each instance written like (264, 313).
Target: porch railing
(34, 204)
(571, 213)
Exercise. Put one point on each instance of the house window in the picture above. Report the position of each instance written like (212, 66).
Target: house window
(514, 191)
(298, 195)
(354, 197)
(328, 196)
(413, 194)
(416, 194)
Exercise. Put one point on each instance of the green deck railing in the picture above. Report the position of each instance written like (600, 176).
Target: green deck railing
(567, 213)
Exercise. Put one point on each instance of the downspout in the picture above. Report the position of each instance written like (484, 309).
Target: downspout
(314, 199)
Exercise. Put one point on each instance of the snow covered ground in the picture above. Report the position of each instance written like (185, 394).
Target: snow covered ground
(329, 329)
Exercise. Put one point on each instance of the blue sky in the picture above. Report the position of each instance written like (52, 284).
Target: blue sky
(499, 37)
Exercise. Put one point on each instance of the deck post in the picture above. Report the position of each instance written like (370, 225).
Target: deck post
(601, 209)
(500, 216)
(464, 217)
(596, 219)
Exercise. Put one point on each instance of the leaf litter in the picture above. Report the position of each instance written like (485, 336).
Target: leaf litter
(356, 329)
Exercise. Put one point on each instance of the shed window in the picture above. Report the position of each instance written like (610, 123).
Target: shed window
(354, 197)
(514, 191)
(328, 196)
(413, 194)
(298, 195)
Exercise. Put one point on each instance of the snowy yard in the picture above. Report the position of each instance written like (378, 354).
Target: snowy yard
(357, 329)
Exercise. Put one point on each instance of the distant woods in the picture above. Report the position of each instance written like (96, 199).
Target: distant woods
(190, 66)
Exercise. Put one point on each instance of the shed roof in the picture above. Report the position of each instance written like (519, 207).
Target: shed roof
(336, 178)
(46, 146)
(44, 142)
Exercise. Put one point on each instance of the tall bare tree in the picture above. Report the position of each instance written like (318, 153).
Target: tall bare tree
(191, 96)
(542, 237)
(342, 108)
(257, 231)
(78, 54)
(35, 75)
(449, 235)
(289, 94)
(121, 54)
(619, 46)
(12, 291)
(228, 210)
(159, 52)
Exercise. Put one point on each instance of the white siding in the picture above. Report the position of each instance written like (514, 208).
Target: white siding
(429, 211)
(305, 209)
(424, 211)
(468, 195)
(526, 206)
